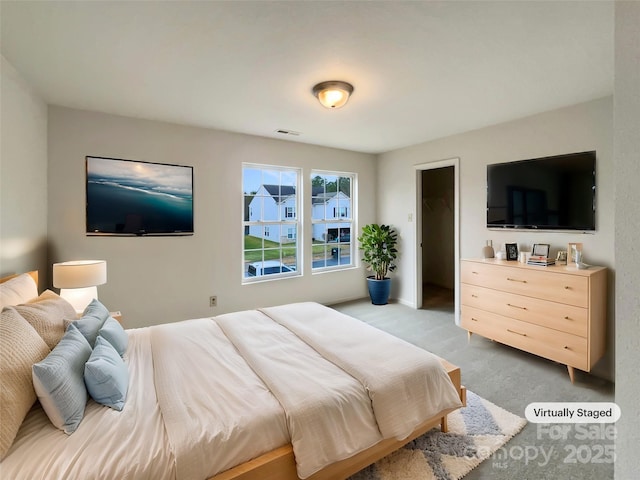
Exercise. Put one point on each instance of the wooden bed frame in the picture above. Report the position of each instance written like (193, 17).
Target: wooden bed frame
(34, 275)
(280, 464)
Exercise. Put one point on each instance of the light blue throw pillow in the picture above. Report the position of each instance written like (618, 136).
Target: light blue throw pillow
(106, 375)
(92, 320)
(59, 381)
(113, 332)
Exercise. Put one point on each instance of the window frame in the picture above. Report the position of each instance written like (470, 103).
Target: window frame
(336, 221)
(284, 224)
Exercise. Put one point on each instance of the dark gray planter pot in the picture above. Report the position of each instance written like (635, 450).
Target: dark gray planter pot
(379, 290)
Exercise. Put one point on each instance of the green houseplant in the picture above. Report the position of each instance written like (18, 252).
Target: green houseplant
(378, 244)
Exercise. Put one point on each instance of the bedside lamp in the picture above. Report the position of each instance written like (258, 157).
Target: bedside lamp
(78, 280)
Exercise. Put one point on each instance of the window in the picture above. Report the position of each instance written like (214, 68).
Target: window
(332, 219)
(270, 223)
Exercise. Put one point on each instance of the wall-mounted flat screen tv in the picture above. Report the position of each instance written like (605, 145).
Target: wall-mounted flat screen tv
(550, 193)
(130, 197)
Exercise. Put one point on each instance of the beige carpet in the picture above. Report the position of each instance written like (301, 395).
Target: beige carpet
(475, 433)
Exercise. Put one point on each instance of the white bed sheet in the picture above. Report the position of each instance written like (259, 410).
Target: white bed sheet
(217, 412)
(191, 396)
(329, 414)
(196, 407)
(131, 444)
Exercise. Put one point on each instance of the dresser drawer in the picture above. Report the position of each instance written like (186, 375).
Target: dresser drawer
(540, 282)
(559, 316)
(558, 346)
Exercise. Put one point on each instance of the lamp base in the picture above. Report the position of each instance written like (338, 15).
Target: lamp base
(79, 298)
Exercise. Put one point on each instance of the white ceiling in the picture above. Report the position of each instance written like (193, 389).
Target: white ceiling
(421, 69)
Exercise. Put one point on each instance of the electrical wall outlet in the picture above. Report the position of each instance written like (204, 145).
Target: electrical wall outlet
(213, 301)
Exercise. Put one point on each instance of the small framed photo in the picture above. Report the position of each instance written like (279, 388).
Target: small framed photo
(541, 250)
(512, 251)
(561, 257)
(574, 253)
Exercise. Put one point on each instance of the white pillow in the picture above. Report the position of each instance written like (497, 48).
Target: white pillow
(18, 290)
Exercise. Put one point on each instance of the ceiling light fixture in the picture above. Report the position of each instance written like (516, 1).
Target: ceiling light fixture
(333, 94)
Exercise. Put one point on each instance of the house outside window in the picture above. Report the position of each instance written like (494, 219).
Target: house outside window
(270, 223)
(332, 218)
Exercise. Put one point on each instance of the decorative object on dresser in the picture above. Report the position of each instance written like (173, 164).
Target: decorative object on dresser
(540, 255)
(512, 251)
(574, 253)
(541, 249)
(487, 250)
(561, 257)
(557, 313)
(78, 281)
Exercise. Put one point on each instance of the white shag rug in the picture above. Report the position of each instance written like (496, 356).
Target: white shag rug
(475, 433)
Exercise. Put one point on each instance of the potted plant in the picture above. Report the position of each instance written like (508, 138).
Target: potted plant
(378, 243)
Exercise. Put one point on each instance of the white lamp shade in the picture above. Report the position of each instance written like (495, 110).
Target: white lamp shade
(77, 281)
(79, 273)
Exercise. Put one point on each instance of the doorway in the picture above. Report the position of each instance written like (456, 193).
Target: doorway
(437, 232)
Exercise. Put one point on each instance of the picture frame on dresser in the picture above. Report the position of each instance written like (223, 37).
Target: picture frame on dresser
(512, 251)
(541, 250)
(574, 252)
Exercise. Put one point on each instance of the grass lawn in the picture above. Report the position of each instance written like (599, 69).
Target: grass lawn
(253, 249)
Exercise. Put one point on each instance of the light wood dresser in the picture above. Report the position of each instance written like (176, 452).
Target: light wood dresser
(557, 312)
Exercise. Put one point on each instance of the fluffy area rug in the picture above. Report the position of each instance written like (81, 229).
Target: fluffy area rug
(475, 433)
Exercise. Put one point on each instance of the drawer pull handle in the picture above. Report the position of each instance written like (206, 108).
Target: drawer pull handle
(567, 287)
(475, 273)
(566, 348)
(516, 306)
(517, 333)
(474, 319)
(568, 318)
(474, 296)
(516, 280)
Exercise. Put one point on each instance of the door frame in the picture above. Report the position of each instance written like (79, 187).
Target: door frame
(419, 168)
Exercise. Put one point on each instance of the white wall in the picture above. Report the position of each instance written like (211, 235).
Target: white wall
(587, 126)
(627, 166)
(23, 176)
(163, 279)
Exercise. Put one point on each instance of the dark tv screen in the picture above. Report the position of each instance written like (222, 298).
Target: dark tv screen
(130, 197)
(551, 193)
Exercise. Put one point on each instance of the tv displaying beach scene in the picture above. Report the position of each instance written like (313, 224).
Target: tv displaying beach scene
(130, 197)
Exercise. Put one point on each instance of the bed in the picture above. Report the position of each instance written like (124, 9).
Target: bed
(284, 392)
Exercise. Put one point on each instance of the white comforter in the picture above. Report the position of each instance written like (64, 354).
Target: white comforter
(208, 394)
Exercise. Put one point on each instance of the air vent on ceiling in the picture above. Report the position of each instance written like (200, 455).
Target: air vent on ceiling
(282, 131)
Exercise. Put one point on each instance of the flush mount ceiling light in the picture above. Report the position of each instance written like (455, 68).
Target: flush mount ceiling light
(333, 94)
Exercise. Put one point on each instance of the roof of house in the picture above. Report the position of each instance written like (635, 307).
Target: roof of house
(319, 195)
(280, 192)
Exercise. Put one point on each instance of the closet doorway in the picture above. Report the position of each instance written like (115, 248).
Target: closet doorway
(438, 236)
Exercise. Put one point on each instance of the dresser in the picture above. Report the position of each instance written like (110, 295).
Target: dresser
(557, 312)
